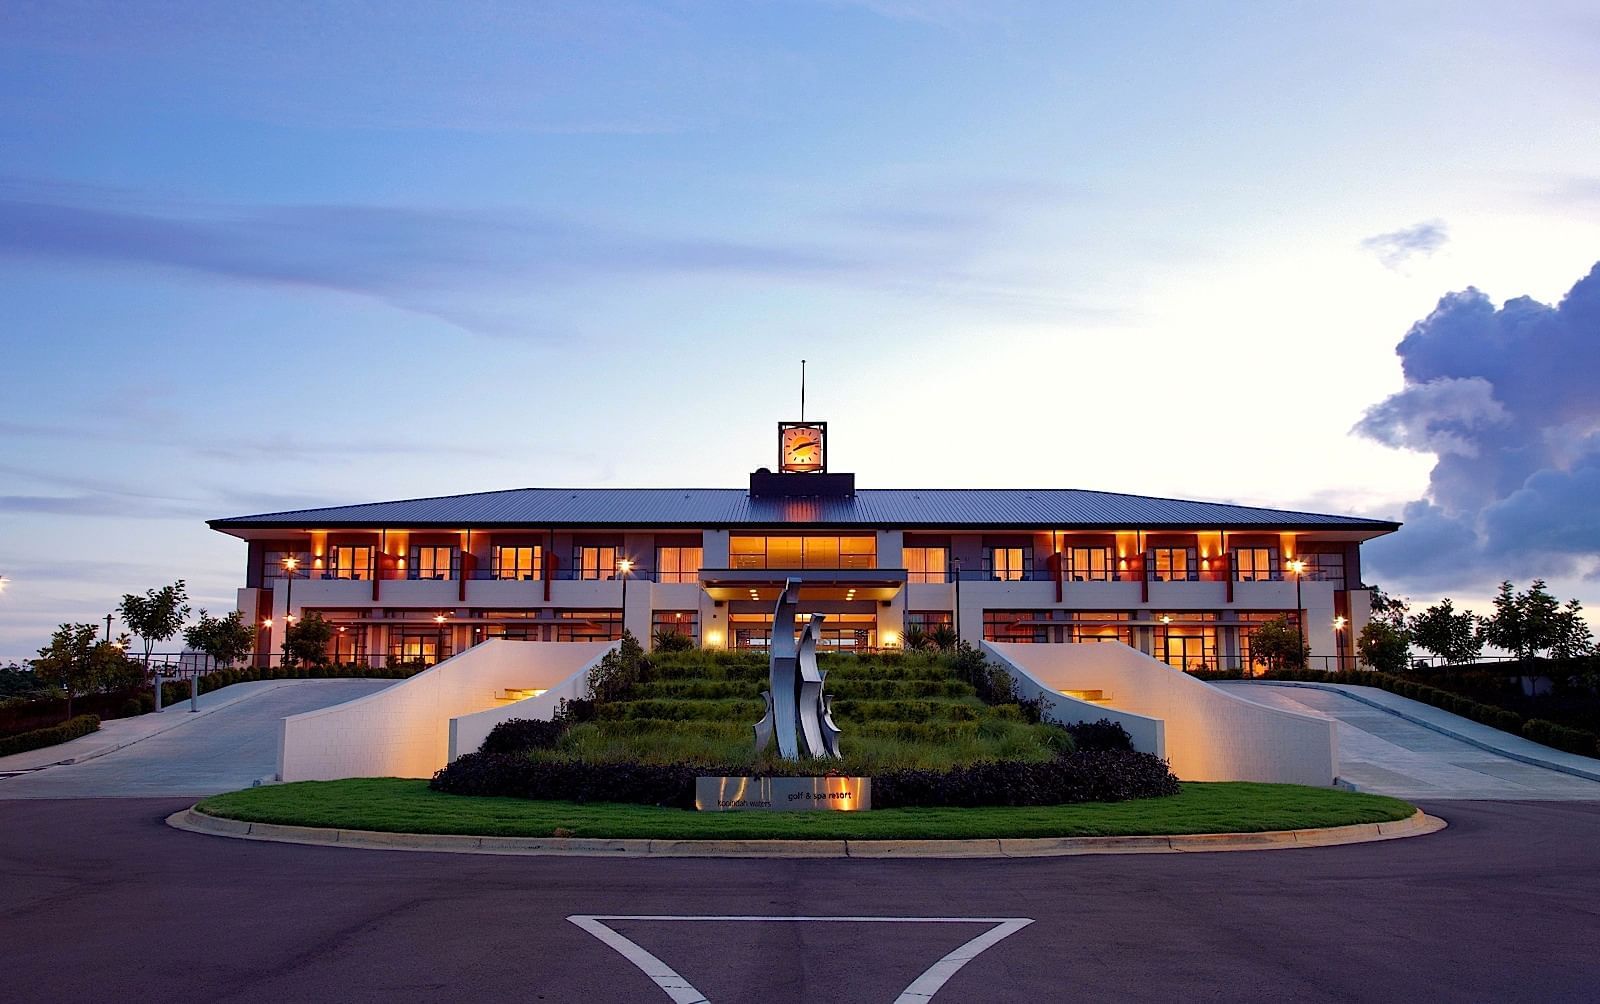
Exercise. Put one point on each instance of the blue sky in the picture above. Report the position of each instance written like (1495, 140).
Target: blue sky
(267, 255)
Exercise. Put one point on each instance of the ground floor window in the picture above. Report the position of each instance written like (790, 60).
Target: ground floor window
(1249, 623)
(419, 645)
(682, 622)
(1186, 640)
(840, 632)
(929, 620)
(1017, 625)
(588, 625)
(1099, 625)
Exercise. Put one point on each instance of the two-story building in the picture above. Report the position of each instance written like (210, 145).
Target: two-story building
(1186, 582)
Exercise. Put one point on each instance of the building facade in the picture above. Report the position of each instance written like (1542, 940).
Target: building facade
(1185, 582)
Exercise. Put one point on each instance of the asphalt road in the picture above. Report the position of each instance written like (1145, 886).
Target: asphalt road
(99, 900)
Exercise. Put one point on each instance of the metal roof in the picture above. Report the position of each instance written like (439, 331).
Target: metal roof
(910, 508)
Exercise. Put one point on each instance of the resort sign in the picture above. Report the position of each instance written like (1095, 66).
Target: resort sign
(782, 794)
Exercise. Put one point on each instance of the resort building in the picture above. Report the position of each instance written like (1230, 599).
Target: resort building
(1185, 582)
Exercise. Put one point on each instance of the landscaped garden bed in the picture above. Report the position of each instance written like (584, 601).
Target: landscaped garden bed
(394, 805)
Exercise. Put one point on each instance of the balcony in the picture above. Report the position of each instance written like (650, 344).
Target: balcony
(819, 583)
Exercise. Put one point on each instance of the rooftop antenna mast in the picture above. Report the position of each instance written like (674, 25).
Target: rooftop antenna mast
(802, 390)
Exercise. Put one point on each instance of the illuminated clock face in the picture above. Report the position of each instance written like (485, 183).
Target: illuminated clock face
(801, 447)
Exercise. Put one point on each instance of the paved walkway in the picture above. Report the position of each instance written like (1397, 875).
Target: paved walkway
(1382, 752)
(229, 744)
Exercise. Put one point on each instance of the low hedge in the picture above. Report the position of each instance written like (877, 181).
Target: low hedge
(75, 727)
(174, 691)
(1095, 776)
(1561, 737)
(1550, 734)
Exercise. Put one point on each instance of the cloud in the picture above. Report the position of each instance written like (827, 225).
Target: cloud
(1400, 246)
(428, 260)
(1506, 400)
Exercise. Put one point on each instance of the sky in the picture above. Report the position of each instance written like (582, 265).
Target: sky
(1322, 256)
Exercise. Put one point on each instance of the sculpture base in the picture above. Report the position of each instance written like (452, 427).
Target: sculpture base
(782, 794)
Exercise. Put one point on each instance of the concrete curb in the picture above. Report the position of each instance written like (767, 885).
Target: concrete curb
(1416, 825)
(1533, 761)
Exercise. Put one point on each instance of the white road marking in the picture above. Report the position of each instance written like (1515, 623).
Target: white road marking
(682, 991)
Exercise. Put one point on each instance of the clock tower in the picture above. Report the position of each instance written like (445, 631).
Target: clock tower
(803, 447)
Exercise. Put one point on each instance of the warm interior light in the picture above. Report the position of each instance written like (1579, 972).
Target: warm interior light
(890, 639)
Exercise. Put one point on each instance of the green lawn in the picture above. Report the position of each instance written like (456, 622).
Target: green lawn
(408, 806)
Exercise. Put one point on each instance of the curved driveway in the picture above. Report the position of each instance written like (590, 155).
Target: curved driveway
(223, 750)
(1384, 753)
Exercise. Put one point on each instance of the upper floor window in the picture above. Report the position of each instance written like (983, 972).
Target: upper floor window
(1172, 564)
(1324, 567)
(517, 562)
(283, 564)
(350, 561)
(803, 552)
(594, 562)
(428, 562)
(1008, 564)
(926, 564)
(1089, 564)
(678, 564)
(1256, 564)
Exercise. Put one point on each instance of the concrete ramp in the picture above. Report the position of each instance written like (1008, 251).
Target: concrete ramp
(1208, 735)
(404, 730)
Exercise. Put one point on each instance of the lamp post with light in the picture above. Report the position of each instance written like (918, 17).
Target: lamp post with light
(955, 563)
(438, 645)
(1340, 648)
(624, 566)
(1298, 567)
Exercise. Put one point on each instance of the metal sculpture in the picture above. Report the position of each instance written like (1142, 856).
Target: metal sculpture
(798, 714)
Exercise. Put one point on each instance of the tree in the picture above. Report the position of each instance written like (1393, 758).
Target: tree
(1451, 635)
(1384, 647)
(1277, 643)
(77, 662)
(1391, 610)
(306, 640)
(1572, 639)
(226, 639)
(1524, 624)
(156, 616)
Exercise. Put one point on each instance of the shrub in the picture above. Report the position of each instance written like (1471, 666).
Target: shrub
(668, 640)
(1097, 776)
(518, 735)
(73, 728)
(1104, 734)
(131, 707)
(1561, 737)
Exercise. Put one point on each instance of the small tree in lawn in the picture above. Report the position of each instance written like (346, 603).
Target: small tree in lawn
(156, 616)
(226, 640)
(306, 640)
(1277, 643)
(1454, 636)
(78, 662)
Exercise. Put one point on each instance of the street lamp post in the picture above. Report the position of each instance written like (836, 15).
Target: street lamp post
(438, 645)
(624, 566)
(1298, 567)
(955, 563)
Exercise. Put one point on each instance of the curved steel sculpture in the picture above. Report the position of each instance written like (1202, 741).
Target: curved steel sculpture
(798, 714)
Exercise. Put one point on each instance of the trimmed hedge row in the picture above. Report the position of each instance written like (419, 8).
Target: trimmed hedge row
(1095, 776)
(1550, 734)
(75, 727)
(173, 691)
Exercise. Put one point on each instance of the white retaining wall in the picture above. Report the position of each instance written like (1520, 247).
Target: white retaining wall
(404, 730)
(467, 732)
(1209, 735)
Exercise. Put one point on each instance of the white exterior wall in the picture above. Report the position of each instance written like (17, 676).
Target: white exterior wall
(1210, 735)
(467, 732)
(404, 730)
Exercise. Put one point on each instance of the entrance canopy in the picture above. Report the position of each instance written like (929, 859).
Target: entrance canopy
(765, 584)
